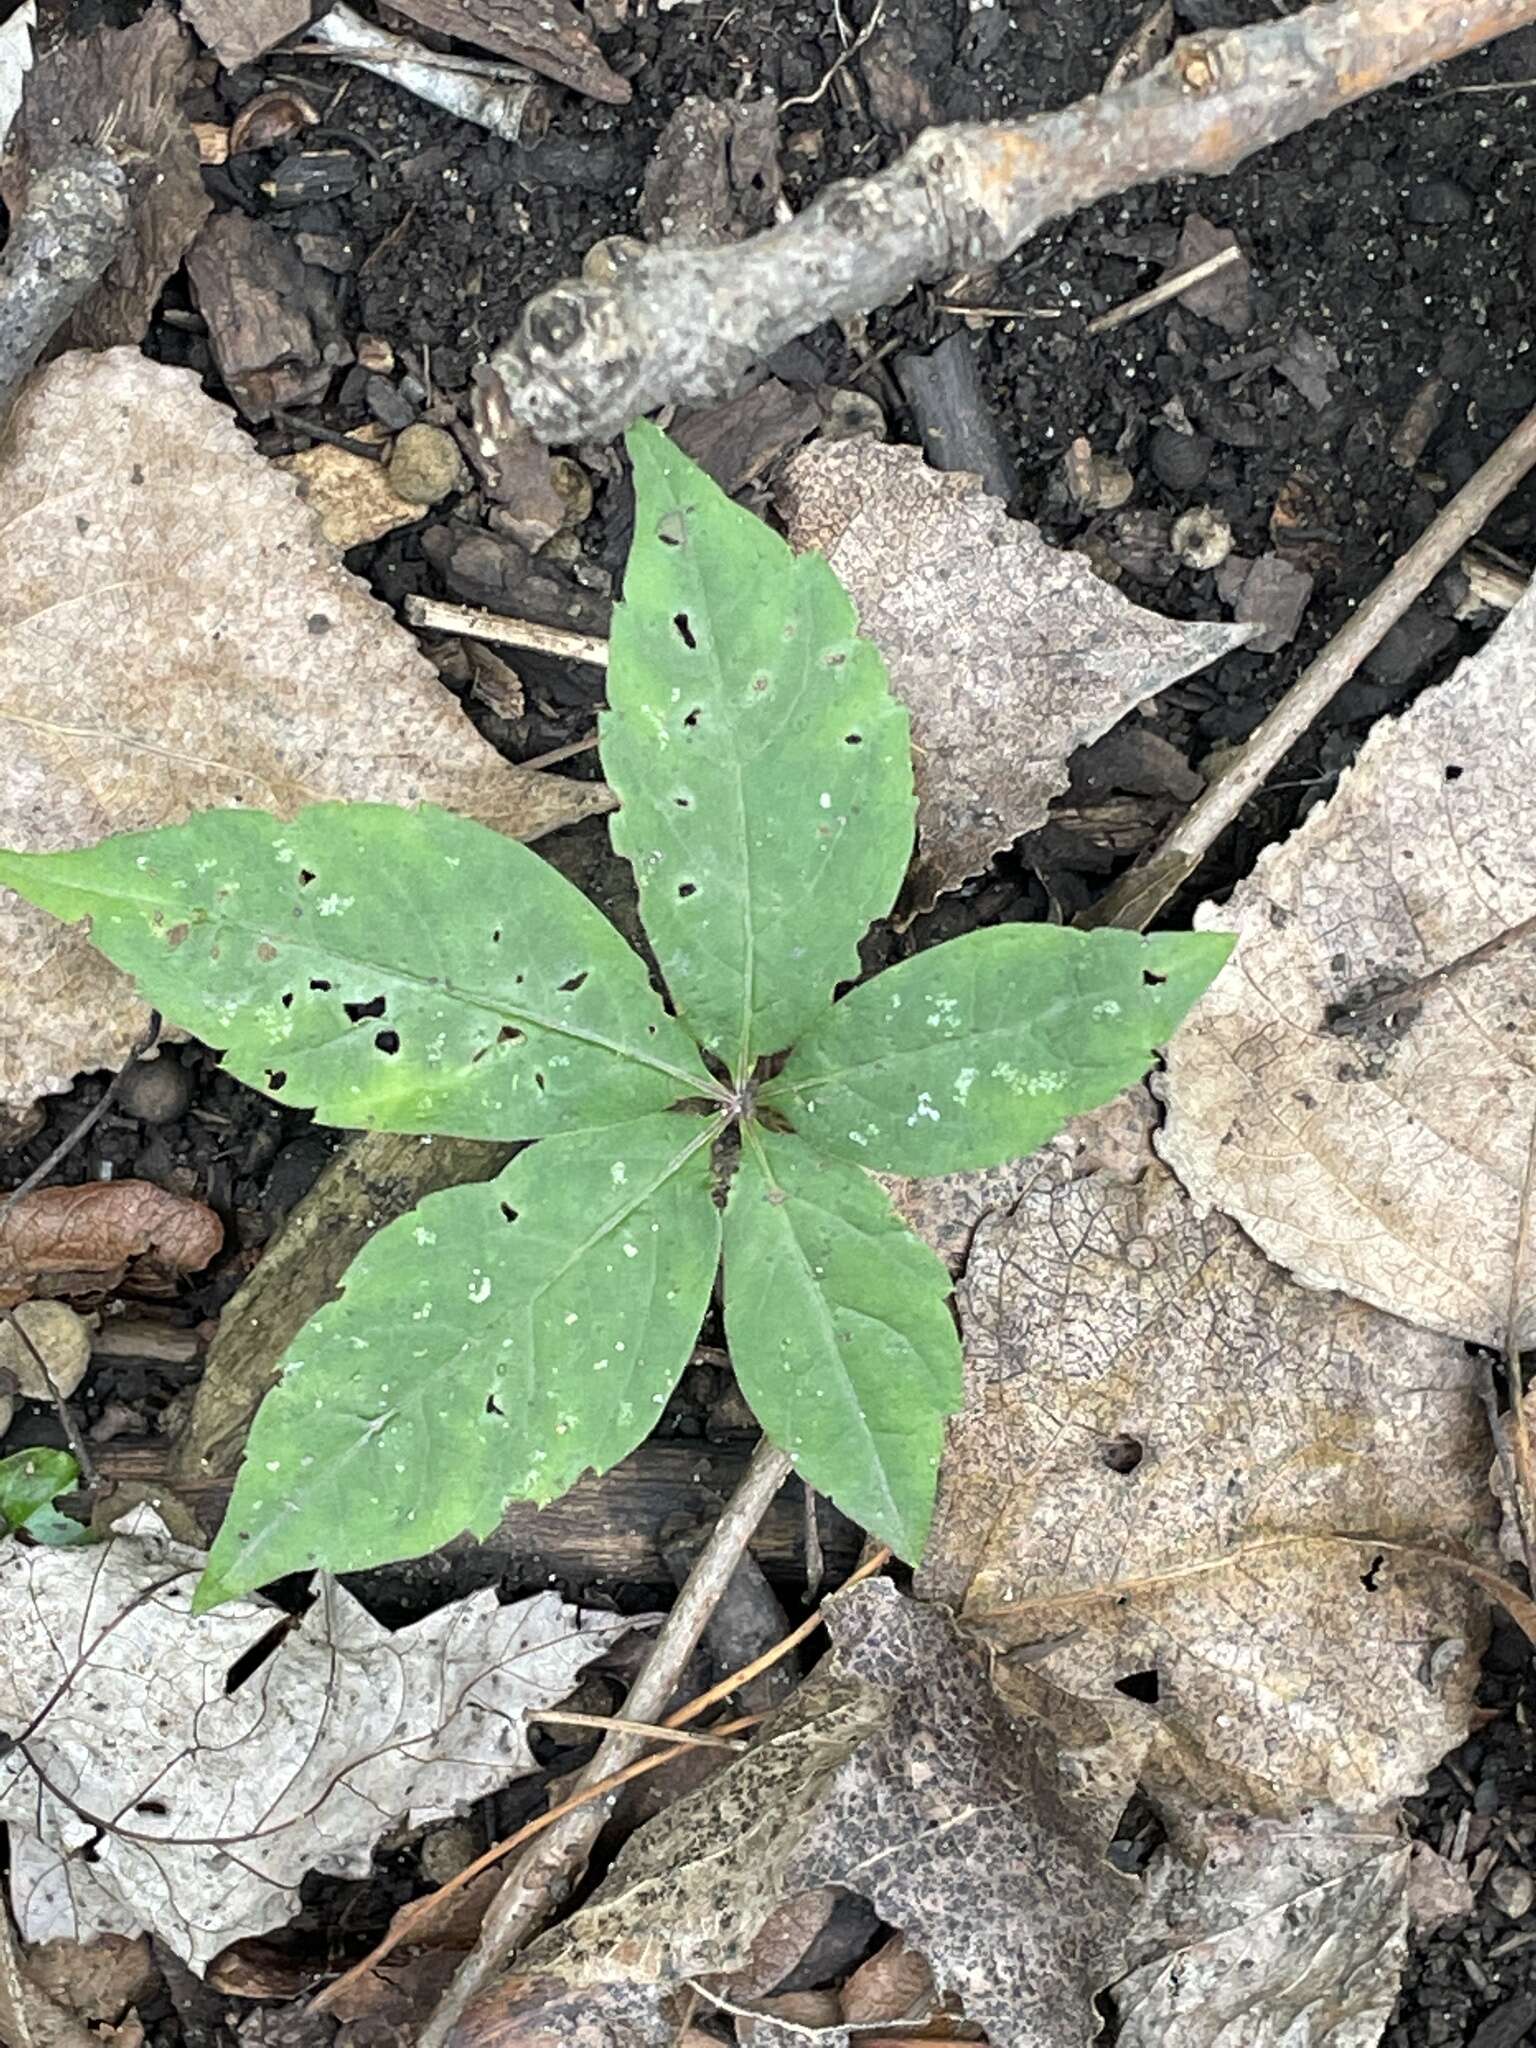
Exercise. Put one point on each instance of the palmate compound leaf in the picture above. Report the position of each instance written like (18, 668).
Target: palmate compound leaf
(979, 1050)
(397, 970)
(493, 1343)
(841, 1334)
(763, 766)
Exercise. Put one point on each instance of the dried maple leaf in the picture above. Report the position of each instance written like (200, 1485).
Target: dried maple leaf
(175, 634)
(124, 88)
(145, 1793)
(1386, 1154)
(96, 1228)
(895, 1774)
(1162, 1491)
(1009, 654)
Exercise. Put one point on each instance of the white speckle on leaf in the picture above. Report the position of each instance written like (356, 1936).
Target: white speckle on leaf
(825, 800)
(333, 906)
(631, 1251)
(1106, 1009)
(424, 1236)
(480, 1288)
(858, 1137)
(963, 1081)
(571, 1318)
(616, 1173)
(924, 1108)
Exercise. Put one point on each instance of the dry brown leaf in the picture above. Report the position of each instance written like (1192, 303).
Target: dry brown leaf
(893, 1773)
(551, 37)
(44, 1347)
(200, 1806)
(124, 86)
(1389, 1160)
(174, 634)
(894, 1984)
(1286, 1936)
(96, 1228)
(1165, 1443)
(1009, 654)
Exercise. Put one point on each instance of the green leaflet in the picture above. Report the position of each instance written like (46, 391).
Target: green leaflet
(762, 764)
(979, 1050)
(841, 1335)
(494, 1343)
(394, 970)
(29, 1483)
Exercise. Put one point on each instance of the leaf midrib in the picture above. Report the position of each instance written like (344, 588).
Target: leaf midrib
(698, 1083)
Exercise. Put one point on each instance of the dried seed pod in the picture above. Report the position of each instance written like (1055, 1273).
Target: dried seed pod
(270, 118)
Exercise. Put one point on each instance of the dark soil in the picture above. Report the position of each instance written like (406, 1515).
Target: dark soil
(1398, 236)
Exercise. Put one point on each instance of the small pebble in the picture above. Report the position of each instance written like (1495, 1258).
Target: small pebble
(387, 405)
(1201, 538)
(1512, 1890)
(1181, 461)
(155, 1091)
(1438, 203)
(605, 259)
(425, 465)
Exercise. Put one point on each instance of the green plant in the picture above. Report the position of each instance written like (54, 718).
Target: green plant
(413, 971)
(30, 1482)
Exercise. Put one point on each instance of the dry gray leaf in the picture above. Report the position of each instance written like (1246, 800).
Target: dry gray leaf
(124, 88)
(1387, 1159)
(1161, 1492)
(894, 1774)
(203, 1808)
(1287, 1936)
(239, 31)
(175, 634)
(1009, 654)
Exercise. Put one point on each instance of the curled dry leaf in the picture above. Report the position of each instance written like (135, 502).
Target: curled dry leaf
(1159, 1500)
(123, 87)
(1009, 654)
(894, 1774)
(1286, 1936)
(93, 1230)
(202, 1803)
(1385, 1154)
(46, 1349)
(174, 635)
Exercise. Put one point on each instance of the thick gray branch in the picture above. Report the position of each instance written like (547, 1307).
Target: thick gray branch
(63, 240)
(686, 323)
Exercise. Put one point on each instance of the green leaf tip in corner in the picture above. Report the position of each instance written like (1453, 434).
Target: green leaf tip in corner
(762, 765)
(391, 969)
(493, 1344)
(30, 1482)
(980, 1049)
(841, 1334)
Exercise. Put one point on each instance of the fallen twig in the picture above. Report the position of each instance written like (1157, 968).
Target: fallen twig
(651, 1731)
(1143, 890)
(686, 322)
(1169, 288)
(541, 1876)
(75, 215)
(441, 617)
(141, 1045)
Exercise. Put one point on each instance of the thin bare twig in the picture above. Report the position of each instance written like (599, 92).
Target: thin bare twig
(686, 322)
(141, 1045)
(1523, 1493)
(552, 1863)
(565, 753)
(1143, 890)
(850, 51)
(651, 1731)
(1168, 288)
(440, 617)
(61, 1407)
(1395, 1000)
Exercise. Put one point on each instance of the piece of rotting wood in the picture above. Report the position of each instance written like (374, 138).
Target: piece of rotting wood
(75, 215)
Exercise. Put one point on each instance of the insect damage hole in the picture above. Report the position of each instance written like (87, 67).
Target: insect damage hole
(1140, 1685)
(306, 876)
(686, 889)
(387, 1041)
(693, 717)
(509, 1213)
(569, 988)
(684, 630)
(374, 1007)
(1122, 1453)
(1453, 773)
(1151, 980)
(853, 739)
(1370, 1578)
(672, 529)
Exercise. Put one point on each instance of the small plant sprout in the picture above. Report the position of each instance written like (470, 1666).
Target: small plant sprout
(409, 970)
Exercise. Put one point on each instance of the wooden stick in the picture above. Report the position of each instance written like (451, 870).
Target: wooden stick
(65, 235)
(686, 322)
(552, 1863)
(651, 1731)
(441, 617)
(1142, 891)
(1175, 282)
